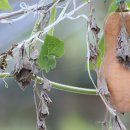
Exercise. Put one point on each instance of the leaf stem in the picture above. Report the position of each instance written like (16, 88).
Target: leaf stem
(59, 86)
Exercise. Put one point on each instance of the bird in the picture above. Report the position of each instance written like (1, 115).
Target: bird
(115, 73)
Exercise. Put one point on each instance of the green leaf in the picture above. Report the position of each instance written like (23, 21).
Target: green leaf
(51, 49)
(128, 4)
(48, 62)
(4, 5)
(112, 7)
(101, 51)
(91, 66)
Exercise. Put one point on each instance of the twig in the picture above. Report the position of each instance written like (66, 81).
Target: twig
(32, 8)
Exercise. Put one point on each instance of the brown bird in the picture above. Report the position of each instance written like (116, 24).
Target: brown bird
(116, 74)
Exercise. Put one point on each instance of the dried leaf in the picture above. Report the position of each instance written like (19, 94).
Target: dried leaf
(24, 69)
(3, 62)
(10, 51)
(43, 110)
(93, 53)
(93, 25)
(46, 97)
(41, 125)
(123, 48)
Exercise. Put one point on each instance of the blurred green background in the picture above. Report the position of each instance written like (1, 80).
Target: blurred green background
(68, 111)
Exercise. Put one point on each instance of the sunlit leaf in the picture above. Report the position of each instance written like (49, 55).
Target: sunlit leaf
(51, 49)
(4, 5)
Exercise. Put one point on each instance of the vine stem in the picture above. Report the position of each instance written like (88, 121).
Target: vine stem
(58, 86)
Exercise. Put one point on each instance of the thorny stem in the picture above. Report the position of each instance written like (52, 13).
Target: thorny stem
(59, 86)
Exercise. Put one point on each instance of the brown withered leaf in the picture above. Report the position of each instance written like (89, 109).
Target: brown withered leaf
(45, 97)
(93, 25)
(123, 48)
(24, 69)
(43, 110)
(41, 125)
(10, 51)
(3, 62)
(3, 57)
(93, 53)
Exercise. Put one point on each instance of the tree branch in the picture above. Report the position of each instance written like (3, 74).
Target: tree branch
(58, 86)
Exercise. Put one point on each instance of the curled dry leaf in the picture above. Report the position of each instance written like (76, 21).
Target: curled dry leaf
(24, 69)
(41, 125)
(3, 62)
(123, 48)
(93, 25)
(95, 31)
(10, 51)
(3, 57)
(46, 98)
(43, 111)
(93, 53)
